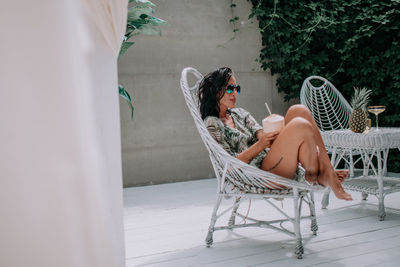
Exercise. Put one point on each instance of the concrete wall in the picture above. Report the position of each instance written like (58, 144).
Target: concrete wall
(161, 144)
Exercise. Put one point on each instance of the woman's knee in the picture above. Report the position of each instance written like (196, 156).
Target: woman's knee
(299, 122)
(300, 125)
(299, 110)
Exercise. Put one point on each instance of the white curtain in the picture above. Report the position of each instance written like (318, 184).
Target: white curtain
(60, 155)
(110, 19)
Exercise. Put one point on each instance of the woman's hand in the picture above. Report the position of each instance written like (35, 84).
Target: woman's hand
(266, 139)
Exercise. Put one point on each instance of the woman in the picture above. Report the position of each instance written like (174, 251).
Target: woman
(277, 152)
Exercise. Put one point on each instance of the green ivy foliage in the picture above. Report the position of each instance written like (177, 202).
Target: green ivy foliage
(349, 42)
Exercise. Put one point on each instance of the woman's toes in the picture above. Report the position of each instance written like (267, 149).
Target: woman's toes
(340, 193)
(338, 190)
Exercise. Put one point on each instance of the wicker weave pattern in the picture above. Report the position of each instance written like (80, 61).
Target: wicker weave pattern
(384, 138)
(243, 181)
(370, 186)
(329, 108)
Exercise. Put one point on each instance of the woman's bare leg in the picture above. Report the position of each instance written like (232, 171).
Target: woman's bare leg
(303, 112)
(290, 147)
(295, 143)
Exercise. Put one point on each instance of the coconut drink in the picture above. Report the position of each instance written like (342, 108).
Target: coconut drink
(273, 122)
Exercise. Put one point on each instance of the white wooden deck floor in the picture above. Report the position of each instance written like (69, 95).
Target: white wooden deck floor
(165, 225)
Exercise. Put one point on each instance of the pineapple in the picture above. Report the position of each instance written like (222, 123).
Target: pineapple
(358, 116)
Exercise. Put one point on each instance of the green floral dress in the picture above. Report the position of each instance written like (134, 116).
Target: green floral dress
(236, 140)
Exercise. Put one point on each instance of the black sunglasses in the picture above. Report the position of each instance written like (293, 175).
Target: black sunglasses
(231, 87)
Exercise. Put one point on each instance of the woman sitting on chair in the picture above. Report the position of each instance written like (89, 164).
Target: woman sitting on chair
(277, 152)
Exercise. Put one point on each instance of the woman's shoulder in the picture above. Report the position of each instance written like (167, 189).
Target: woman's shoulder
(212, 120)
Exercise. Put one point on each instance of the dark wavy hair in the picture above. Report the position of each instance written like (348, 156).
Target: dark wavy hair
(209, 91)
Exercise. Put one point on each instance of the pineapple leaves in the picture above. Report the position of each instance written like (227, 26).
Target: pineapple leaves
(360, 98)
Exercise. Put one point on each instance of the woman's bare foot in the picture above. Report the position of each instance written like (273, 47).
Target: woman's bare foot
(342, 174)
(332, 180)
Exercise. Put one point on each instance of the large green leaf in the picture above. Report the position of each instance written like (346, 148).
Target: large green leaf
(124, 47)
(135, 12)
(123, 93)
(143, 2)
(157, 21)
(148, 29)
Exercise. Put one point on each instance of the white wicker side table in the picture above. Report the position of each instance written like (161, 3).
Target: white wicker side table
(374, 144)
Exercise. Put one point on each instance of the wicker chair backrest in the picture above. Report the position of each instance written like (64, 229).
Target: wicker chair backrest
(330, 109)
(191, 95)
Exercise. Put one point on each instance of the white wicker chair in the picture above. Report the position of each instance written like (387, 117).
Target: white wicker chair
(242, 181)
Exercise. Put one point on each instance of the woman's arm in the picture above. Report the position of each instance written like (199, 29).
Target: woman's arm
(264, 141)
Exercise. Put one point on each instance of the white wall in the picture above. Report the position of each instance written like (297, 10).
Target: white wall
(161, 144)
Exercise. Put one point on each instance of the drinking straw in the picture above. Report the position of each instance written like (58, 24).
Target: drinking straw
(268, 108)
